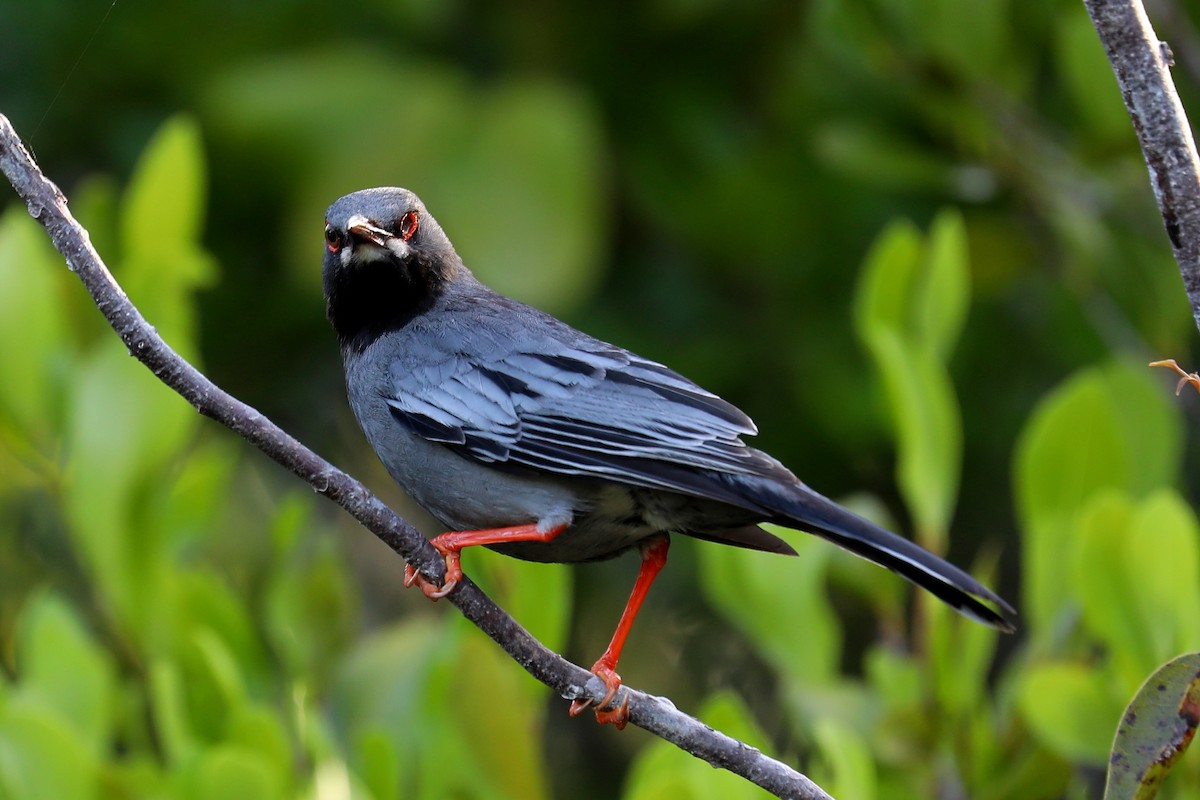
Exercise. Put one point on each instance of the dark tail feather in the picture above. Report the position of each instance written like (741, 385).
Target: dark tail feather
(798, 506)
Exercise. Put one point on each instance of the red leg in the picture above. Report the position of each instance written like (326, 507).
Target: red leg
(654, 556)
(450, 545)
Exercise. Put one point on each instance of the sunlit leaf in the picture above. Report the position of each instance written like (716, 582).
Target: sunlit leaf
(928, 431)
(65, 669)
(123, 429)
(258, 730)
(1070, 708)
(1102, 429)
(42, 756)
(227, 772)
(909, 308)
(164, 201)
(160, 220)
(168, 708)
(944, 291)
(886, 280)
(34, 355)
(1137, 577)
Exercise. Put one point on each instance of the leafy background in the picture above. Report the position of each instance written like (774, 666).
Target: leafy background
(914, 240)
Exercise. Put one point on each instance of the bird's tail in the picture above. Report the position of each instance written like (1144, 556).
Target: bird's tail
(798, 506)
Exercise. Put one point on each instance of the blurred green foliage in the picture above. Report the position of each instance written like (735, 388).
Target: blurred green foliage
(914, 240)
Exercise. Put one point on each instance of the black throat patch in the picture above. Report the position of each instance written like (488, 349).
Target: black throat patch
(365, 301)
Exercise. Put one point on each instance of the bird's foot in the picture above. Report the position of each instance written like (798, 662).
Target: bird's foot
(618, 715)
(453, 575)
(451, 543)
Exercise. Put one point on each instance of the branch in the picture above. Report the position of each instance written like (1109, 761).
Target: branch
(1142, 65)
(657, 715)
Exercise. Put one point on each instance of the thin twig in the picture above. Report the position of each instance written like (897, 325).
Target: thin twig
(657, 715)
(1142, 65)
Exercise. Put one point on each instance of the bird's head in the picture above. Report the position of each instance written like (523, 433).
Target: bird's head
(385, 258)
(385, 224)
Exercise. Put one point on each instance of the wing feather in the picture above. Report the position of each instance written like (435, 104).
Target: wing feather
(596, 412)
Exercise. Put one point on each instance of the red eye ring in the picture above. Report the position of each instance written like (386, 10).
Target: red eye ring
(333, 238)
(408, 225)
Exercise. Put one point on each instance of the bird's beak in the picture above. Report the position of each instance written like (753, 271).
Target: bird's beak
(362, 228)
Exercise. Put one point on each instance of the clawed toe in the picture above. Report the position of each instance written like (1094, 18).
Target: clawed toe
(428, 588)
(617, 716)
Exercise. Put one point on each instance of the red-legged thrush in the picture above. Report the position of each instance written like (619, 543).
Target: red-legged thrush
(520, 433)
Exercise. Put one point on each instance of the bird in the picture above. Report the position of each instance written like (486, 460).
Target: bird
(518, 432)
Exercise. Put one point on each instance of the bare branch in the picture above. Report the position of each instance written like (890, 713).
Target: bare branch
(1142, 65)
(657, 715)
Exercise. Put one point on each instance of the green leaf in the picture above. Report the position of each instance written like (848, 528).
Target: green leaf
(449, 678)
(258, 730)
(1150, 424)
(1058, 469)
(848, 761)
(756, 591)
(161, 216)
(1088, 79)
(882, 300)
(961, 653)
(1070, 708)
(228, 772)
(384, 684)
(1102, 429)
(505, 751)
(894, 678)
(216, 670)
(216, 644)
(168, 710)
(1137, 576)
(41, 756)
(378, 763)
(34, 355)
(1156, 729)
(59, 664)
(917, 288)
(928, 432)
(164, 201)
(944, 292)
(124, 427)
(310, 607)
(909, 309)
(1164, 543)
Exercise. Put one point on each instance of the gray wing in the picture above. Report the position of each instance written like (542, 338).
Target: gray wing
(589, 410)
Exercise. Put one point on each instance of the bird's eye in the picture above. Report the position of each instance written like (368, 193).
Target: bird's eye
(333, 238)
(408, 225)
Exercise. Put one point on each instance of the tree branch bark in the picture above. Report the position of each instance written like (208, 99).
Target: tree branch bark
(657, 715)
(1142, 65)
